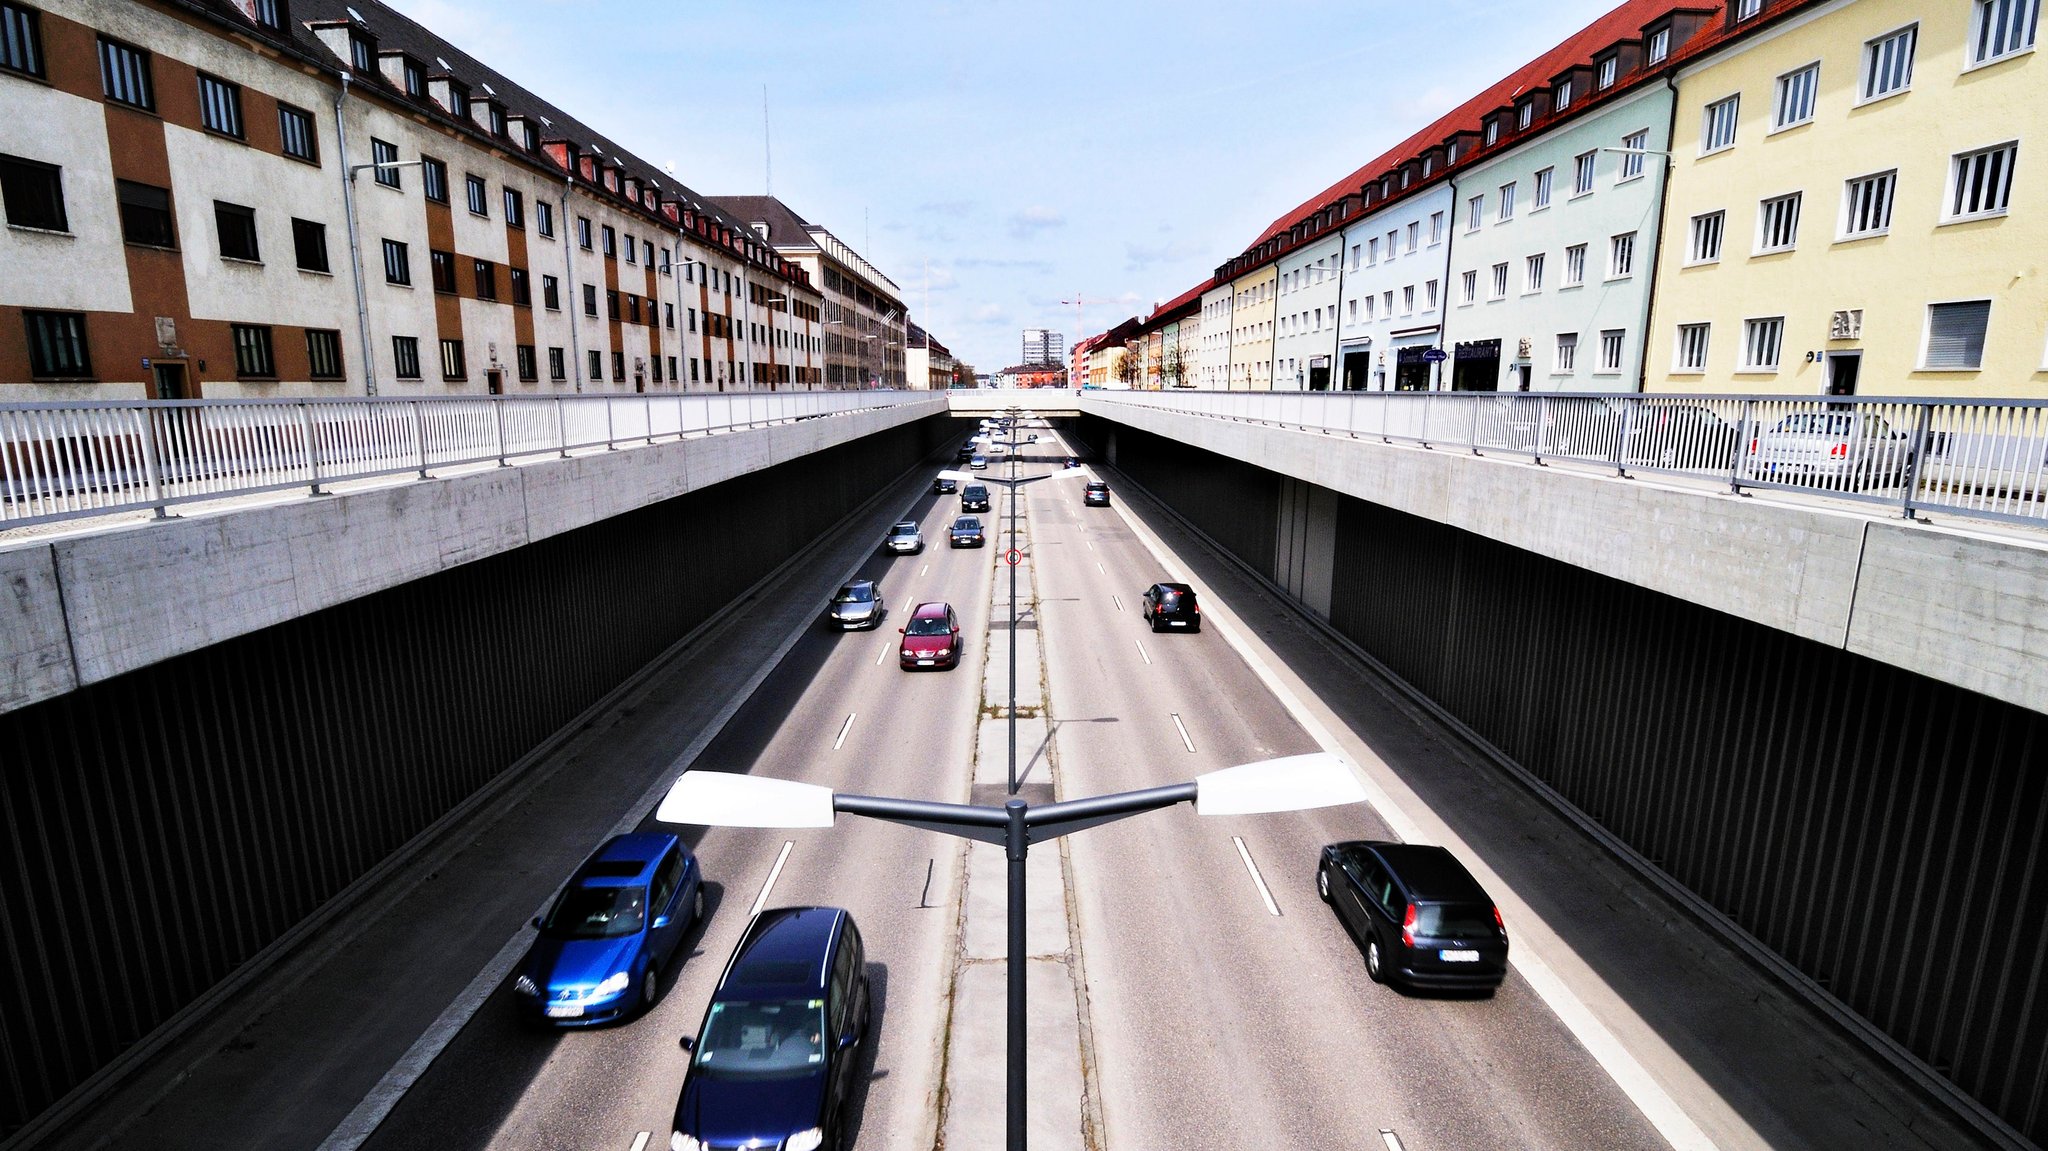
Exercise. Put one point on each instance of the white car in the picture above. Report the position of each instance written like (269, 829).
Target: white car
(1840, 449)
(905, 538)
(978, 463)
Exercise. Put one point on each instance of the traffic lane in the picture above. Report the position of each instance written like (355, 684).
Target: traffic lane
(511, 1086)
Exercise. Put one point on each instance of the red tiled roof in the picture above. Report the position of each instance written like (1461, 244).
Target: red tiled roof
(1191, 296)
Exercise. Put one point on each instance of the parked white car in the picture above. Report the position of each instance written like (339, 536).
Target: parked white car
(1844, 450)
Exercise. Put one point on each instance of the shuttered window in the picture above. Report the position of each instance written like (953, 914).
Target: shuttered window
(1955, 334)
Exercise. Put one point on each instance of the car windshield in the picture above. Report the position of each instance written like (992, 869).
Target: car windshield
(762, 1038)
(928, 625)
(1453, 920)
(1098, 487)
(966, 524)
(904, 530)
(860, 593)
(976, 492)
(596, 913)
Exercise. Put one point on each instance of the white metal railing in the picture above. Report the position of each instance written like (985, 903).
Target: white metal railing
(1985, 458)
(71, 460)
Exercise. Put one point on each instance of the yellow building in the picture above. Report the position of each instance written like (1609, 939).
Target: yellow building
(1849, 211)
(1251, 328)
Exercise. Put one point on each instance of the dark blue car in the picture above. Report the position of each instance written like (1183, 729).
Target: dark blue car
(773, 1065)
(604, 943)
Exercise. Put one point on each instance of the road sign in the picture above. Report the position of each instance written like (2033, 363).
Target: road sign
(1435, 356)
(1014, 557)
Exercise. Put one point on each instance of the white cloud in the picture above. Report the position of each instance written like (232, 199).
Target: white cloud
(1033, 220)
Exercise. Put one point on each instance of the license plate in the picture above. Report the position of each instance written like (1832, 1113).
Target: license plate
(1458, 956)
(924, 663)
(1180, 623)
(567, 1012)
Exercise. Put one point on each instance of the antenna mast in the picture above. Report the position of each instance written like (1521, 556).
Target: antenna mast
(767, 149)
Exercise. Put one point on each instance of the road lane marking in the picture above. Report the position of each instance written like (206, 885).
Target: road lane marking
(1258, 880)
(774, 873)
(1387, 1136)
(924, 569)
(1113, 598)
(843, 729)
(883, 654)
(1090, 543)
(1183, 730)
(640, 1141)
(1147, 655)
(1100, 568)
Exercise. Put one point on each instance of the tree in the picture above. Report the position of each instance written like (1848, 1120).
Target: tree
(1174, 367)
(1131, 368)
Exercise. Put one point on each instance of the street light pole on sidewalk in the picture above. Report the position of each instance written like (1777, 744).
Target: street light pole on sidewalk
(1295, 783)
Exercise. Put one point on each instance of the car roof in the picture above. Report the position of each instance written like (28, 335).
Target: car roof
(936, 607)
(786, 950)
(854, 583)
(1179, 588)
(1428, 872)
(623, 860)
(963, 521)
(911, 524)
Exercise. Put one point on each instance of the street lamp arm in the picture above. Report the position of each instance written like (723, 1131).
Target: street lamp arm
(986, 824)
(1052, 820)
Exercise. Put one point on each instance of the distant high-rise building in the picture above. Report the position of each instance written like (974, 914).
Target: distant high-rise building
(1043, 346)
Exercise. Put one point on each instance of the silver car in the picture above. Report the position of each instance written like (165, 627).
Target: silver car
(857, 605)
(905, 538)
(1839, 450)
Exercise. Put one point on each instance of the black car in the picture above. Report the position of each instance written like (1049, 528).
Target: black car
(966, 532)
(775, 1061)
(1420, 916)
(966, 452)
(945, 486)
(974, 498)
(1170, 605)
(1095, 494)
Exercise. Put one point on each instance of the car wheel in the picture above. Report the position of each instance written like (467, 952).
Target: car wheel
(1372, 960)
(1323, 883)
(697, 905)
(650, 988)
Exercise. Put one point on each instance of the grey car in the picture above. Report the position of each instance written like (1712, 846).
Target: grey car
(905, 538)
(857, 605)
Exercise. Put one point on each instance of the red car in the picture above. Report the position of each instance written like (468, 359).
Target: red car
(931, 638)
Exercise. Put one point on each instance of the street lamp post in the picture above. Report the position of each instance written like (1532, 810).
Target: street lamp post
(1295, 783)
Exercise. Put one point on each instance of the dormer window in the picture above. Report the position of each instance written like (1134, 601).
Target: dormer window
(1404, 178)
(415, 79)
(1608, 69)
(1428, 166)
(1451, 154)
(1492, 131)
(361, 52)
(497, 120)
(270, 13)
(1525, 116)
(458, 100)
(1659, 45)
(1564, 94)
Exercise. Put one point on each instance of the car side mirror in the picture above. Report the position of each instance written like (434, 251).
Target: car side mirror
(902, 631)
(846, 1041)
(687, 1043)
(956, 629)
(661, 921)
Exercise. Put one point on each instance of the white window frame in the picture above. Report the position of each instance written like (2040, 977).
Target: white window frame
(1475, 212)
(1750, 330)
(1621, 249)
(1632, 162)
(1710, 120)
(1747, 9)
(1850, 187)
(1436, 228)
(1682, 345)
(1499, 284)
(1956, 163)
(1788, 86)
(1564, 354)
(1540, 198)
(1574, 267)
(1658, 46)
(1765, 218)
(1873, 51)
(1608, 71)
(1564, 94)
(1585, 172)
(1983, 13)
(1697, 228)
(1927, 336)
(1532, 273)
(1469, 282)
(1613, 340)
(1506, 210)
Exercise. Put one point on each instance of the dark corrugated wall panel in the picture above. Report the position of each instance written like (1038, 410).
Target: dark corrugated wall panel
(1237, 504)
(160, 828)
(1885, 832)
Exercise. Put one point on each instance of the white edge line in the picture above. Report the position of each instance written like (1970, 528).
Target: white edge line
(774, 874)
(640, 1141)
(1183, 730)
(1635, 1081)
(844, 728)
(1141, 649)
(1387, 1136)
(1258, 880)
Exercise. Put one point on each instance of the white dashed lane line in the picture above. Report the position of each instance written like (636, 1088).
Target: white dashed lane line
(1183, 729)
(1148, 661)
(1258, 881)
(640, 1141)
(843, 729)
(774, 873)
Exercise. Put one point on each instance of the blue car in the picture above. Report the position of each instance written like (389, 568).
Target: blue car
(774, 1063)
(604, 943)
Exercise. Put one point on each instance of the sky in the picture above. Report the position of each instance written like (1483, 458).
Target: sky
(1000, 161)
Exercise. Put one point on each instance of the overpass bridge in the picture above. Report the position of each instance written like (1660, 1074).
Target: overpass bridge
(1813, 720)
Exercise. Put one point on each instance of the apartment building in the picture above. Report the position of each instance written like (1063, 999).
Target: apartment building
(863, 314)
(220, 199)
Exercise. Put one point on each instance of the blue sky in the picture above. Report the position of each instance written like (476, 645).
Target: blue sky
(995, 159)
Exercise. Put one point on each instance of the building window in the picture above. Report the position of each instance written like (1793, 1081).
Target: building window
(590, 299)
(1707, 230)
(1888, 62)
(1980, 182)
(383, 153)
(1690, 354)
(1574, 265)
(1610, 350)
(583, 232)
(1582, 173)
(1436, 234)
(56, 345)
(1867, 205)
(297, 135)
(1796, 92)
(1532, 273)
(1414, 236)
(611, 241)
(558, 365)
(479, 195)
(124, 75)
(33, 193)
(458, 101)
(1492, 131)
(522, 289)
(497, 118)
(551, 293)
(323, 354)
(1659, 46)
(237, 226)
(1606, 71)
(252, 351)
(1760, 343)
(1475, 211)
(1500, 282)
(270, 13)
(360, 53)
(1777, 224)
(1744, 9)
(220, 105)
(452, 365)
(611, 303)
(1955, 335)
(596, 365)
(442, 265)
(632, 250)
(434, 178)
(633, 310)
(486, 280)
(618, 365)
(1428, 297)
(415, 79)
(1564, 95)
(544, 217)
(515, 209)
(647, 251)
(1632, 161)
(1565, 361)
(529, 366)
(1507, 202)
(668, 312)
(2000, 28)
(673, 377)
(1543, 188)
(1525, 116)
(1621, 256)
(1717, 130)
(309, 242)
(21, 40)
(397, 263)
(1468, 291)
(405, 357)
(1408, 300)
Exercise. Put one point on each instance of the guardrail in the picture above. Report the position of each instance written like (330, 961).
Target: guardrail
(70, 460)
(1984, 458)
